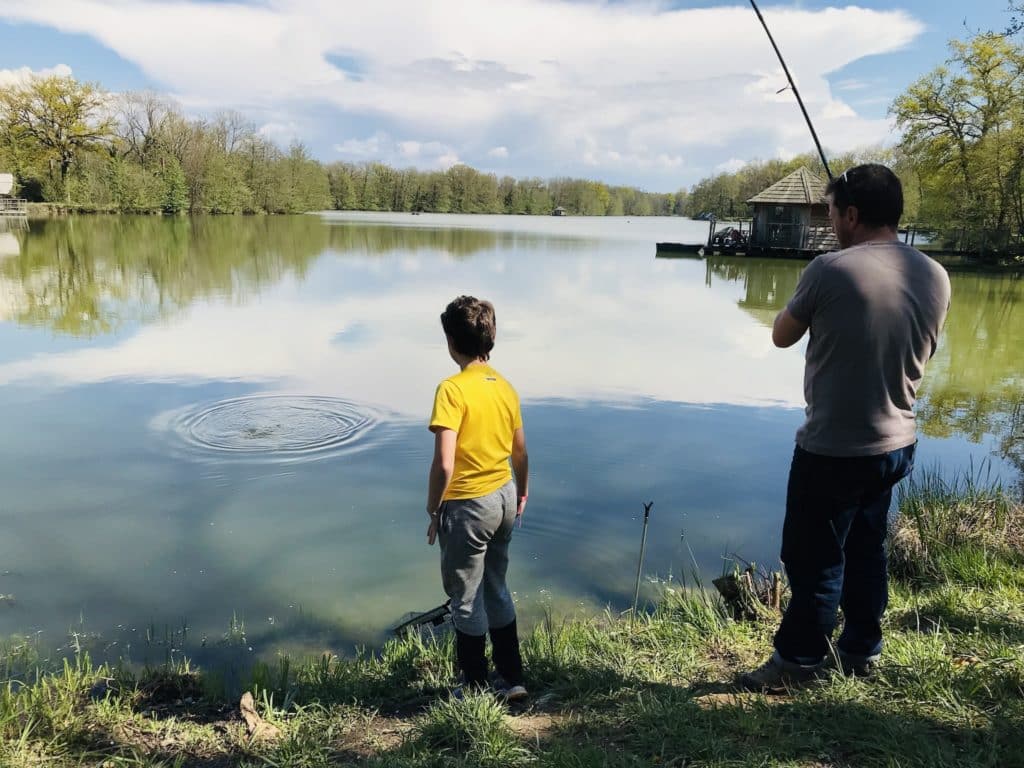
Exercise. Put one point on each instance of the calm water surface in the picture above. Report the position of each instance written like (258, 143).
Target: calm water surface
(223, 419)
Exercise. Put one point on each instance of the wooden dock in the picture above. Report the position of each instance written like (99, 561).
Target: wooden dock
(675, 250)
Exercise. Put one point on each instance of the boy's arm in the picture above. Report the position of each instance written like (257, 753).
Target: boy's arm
(521, 468)
(441, 468)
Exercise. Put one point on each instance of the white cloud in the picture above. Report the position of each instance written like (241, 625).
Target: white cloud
(363, 148)
(410, 148)
(837, 110)
(731, 165)
(447, 160)
(635, 86)
(381, 147)
(499, 152)
(9, 77)
(852, 84)
(284, 131)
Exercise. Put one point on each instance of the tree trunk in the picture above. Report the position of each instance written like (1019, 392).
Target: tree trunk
(65, 168)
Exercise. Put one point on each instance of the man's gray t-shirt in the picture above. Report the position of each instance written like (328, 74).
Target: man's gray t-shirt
(875, 312)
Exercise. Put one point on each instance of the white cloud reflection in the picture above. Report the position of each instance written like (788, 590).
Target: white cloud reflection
(594, 319)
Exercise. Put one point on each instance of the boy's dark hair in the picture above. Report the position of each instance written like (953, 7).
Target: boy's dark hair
(469, 322)
(874, 190)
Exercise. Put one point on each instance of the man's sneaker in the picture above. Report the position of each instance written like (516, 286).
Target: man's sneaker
(857, 666)
(780, 676)
(496, 685)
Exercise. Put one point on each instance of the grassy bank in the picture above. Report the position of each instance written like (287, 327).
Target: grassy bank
(607, 691)
(58, 210)
(54, 210)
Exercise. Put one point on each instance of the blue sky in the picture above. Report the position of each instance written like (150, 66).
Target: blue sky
(651, 94)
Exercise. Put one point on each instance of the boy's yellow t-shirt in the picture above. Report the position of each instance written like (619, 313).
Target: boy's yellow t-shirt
(483, 409)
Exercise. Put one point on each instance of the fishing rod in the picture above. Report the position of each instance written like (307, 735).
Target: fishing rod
(792, 85)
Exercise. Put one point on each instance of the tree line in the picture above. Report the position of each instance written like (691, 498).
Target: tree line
(961, 157)
(73, 143)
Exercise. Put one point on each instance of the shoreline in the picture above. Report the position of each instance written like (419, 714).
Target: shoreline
(58, 211)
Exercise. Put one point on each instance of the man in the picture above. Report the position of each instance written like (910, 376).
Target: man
(875, 310)
(473, 499)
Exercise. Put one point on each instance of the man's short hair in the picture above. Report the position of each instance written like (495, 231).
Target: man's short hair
(469, 322)
(874, 190)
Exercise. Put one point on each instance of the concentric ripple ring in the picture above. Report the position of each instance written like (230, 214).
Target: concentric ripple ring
(273, 427)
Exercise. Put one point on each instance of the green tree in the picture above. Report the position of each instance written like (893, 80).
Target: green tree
(61, 116)
(434, 193)
(306, 185)
(963, 128)
(174, 193)
(131, 186)
(342, 186)
(258, 159)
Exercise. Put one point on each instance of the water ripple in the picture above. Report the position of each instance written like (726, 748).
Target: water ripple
(284, 428)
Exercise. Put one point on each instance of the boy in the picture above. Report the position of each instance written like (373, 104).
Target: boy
(472, 500)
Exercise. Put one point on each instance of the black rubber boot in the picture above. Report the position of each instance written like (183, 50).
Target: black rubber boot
(469, 651)
(505, 653)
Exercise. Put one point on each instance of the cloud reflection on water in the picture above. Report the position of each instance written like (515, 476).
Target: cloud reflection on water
(608, 321)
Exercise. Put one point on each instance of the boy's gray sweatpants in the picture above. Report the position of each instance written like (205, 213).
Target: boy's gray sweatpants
(474, 535)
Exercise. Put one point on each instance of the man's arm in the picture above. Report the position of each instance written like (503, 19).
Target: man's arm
(521, 468)
(787, 330)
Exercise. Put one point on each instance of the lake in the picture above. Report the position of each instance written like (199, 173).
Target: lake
(215, 429)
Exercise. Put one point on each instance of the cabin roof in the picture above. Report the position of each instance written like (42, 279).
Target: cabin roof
(801, 187)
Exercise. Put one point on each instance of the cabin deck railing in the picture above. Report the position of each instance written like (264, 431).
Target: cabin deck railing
(796, 237)
(13, 206)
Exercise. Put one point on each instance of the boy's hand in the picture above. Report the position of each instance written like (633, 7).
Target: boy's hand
(520, 508)
(432, 530)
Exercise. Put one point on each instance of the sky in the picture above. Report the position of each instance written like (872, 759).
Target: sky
(650, 94)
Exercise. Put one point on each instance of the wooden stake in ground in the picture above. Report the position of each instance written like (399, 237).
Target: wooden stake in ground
(258, 728)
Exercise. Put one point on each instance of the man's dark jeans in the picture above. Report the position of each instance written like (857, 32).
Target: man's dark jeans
(833, 547)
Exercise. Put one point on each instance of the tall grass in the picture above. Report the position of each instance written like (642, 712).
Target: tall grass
(473, 728)
(968, 529)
